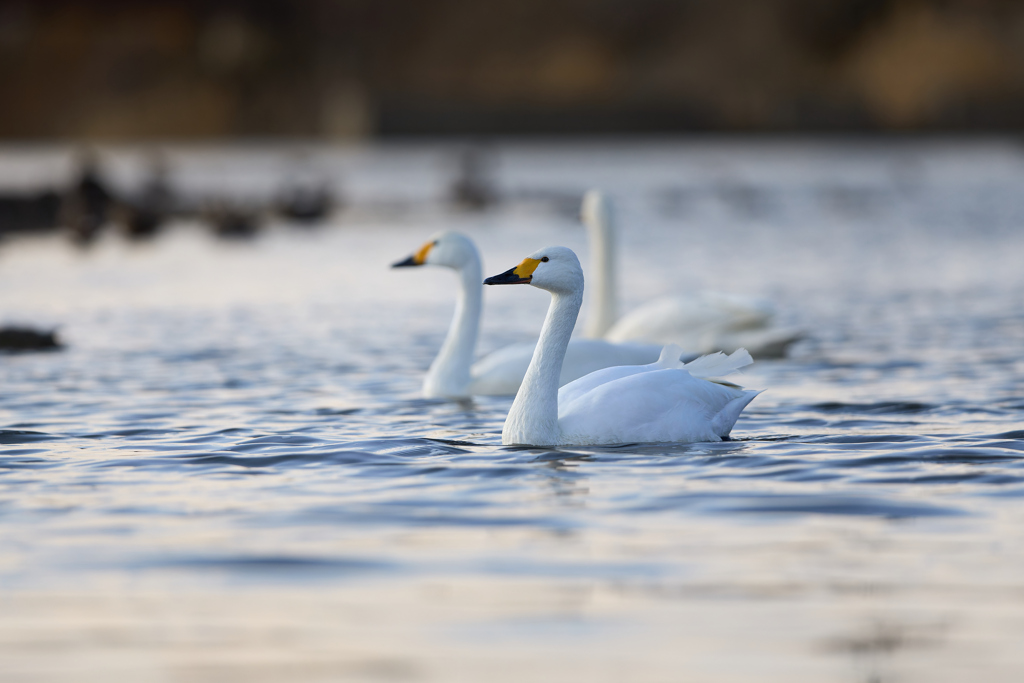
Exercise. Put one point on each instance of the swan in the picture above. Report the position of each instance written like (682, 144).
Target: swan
(665, 401)
(701, 322)
(453, 374)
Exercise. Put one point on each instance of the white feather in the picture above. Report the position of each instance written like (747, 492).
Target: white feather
(718, 364)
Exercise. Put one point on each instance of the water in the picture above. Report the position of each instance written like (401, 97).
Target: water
(229, 475)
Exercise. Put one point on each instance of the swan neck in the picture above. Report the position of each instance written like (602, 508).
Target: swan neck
(533, 419)
(449, 374)
(602, 311)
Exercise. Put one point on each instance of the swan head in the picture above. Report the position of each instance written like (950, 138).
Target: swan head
(555, 269)
(449, 249)
(595, 208)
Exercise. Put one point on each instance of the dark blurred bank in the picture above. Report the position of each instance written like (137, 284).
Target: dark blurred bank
(343, 69)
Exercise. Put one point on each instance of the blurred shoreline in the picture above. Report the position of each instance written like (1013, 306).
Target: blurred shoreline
(358, 69)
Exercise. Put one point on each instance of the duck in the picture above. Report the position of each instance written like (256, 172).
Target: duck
(15, 339)
(660, 402)
(144, 214)
(454, 375)
(473, 189)
(233, 221)
(86, 205)
(700, 322)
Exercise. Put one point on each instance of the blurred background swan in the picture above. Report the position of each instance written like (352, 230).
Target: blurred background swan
(700, 322)
(657, 402)
(454, 374)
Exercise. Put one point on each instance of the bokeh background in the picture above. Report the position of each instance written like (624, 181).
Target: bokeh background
(351, 69)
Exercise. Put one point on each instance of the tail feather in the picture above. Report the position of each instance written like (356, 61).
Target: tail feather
(717, 364)
(726, 418)
(669, 357)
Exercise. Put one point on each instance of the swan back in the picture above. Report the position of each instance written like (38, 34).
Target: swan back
(691, 320)
(706, 367)
(656, 406)
(660, 402)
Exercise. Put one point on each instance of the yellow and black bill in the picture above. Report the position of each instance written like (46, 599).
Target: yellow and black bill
(520, 275)
(417, 259)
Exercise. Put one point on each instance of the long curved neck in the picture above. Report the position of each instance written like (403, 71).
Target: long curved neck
(602, 311)
(533, 419)
(448, 376)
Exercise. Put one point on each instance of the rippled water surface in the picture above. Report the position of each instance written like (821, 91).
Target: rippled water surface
(228, 475)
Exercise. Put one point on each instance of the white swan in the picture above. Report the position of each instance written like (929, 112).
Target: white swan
(453, 374)
(665, 401)
(700, 322)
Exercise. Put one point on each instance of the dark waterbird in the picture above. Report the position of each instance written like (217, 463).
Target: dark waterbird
(20, 339)
(86, 205)
(28, 211)
(233, 222)
(142, 215)
(473, 188)
(306, 203)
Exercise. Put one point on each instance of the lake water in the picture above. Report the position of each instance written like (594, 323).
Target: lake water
(228, 475)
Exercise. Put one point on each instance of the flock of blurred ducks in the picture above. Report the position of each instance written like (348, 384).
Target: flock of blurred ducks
(88, 205)
(653, 374)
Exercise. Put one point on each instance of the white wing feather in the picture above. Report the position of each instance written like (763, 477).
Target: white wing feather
(718, 364)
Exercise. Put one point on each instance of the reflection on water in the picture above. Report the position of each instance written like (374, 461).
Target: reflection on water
(228, 474)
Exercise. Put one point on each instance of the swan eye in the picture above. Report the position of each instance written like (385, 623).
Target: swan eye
(543, 259)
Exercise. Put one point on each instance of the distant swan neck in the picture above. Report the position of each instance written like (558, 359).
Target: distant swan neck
(533, 419)
(449, 374)
(602, 311)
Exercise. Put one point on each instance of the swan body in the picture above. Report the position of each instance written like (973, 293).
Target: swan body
(664, 401)
(453, 374)
(705, 322)
(701, 322)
